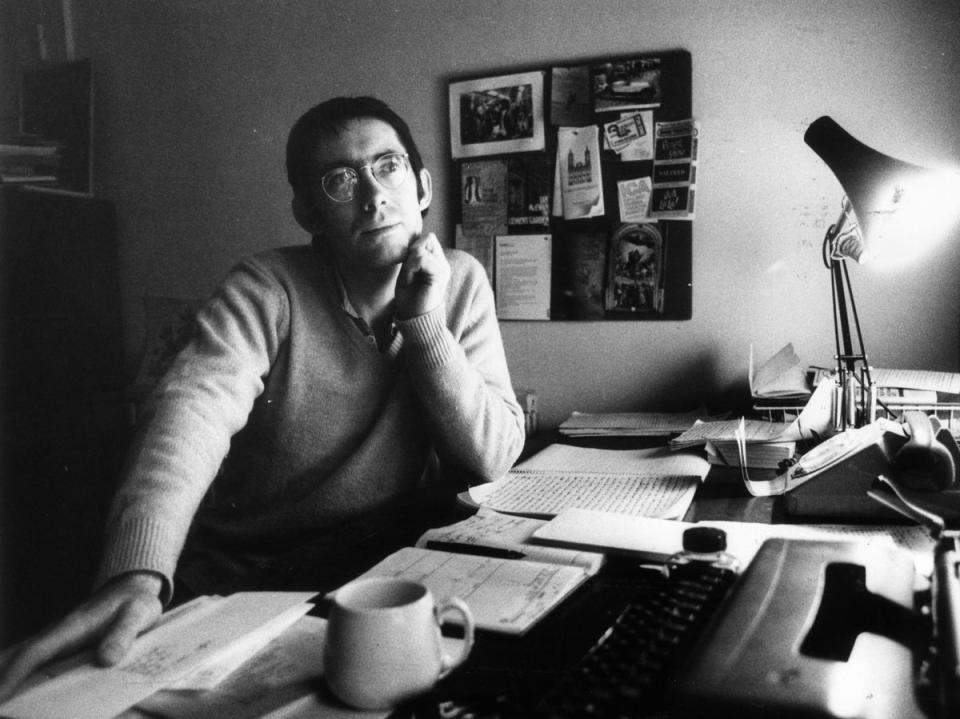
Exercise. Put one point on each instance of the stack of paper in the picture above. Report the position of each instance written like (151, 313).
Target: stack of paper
(753, 431)
(628, 424)
(781, 378)
(902, 386)
(758, 455)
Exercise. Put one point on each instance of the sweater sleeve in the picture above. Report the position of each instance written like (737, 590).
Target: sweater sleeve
(204, 399)
(458, 366)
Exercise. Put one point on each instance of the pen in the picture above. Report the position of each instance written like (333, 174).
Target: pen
(462, 548)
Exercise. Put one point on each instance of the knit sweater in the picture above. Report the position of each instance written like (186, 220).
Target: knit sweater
(282, 418)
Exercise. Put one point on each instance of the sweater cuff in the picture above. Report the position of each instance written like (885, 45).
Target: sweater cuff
(427, 338)
(141, 544)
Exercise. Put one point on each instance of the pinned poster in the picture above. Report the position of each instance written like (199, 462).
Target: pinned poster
(581, 182)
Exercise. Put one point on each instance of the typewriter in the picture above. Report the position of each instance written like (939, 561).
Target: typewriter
(809, 629)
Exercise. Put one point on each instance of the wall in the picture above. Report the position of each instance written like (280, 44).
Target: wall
(194, 101)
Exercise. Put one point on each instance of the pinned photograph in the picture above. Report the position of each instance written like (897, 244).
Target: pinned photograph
(497, 115)
(627, 85)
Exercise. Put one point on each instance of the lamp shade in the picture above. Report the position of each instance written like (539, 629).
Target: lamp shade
(898, 205)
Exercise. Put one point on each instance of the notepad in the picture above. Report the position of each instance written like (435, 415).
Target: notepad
(504, 595)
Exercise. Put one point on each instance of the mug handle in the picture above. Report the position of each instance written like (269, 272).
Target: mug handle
(455, 604)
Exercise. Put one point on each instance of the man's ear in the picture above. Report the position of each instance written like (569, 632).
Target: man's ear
(305, 214)
(426, 189)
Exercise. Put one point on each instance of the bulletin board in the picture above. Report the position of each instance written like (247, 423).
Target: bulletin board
(576, 185)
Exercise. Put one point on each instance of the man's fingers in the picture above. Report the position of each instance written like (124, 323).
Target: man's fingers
(115, 618)
(132, 619)
(65, 636)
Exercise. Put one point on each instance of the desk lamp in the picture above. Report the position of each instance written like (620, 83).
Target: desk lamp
(891, 208)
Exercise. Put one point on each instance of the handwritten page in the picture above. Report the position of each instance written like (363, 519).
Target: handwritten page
(158, 658)
(281, 680)
(544, 493)
(504, 595)
(494, 530)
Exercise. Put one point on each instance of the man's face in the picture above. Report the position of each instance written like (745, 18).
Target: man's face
(375, 228)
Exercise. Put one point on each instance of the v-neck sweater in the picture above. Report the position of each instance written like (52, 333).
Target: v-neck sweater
(282, 418)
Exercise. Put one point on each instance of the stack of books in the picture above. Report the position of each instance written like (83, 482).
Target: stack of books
(27, 159)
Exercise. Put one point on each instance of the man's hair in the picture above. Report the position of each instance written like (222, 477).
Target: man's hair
(331, 117)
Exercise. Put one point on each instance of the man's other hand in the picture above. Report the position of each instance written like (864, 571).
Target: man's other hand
(111, 619)
(424, 276)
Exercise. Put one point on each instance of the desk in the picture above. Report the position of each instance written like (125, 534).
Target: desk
(507, 676)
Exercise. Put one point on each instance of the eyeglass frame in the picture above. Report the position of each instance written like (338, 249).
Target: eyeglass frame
(408, 170)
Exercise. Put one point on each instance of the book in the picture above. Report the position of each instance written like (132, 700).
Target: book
(645, 482)
(508, 585)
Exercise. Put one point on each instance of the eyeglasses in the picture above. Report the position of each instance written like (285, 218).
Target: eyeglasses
(340, 183)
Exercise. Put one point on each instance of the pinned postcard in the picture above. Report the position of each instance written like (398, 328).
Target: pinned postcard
(578, 158)
(634, 199)
(622, 133)
(570, 96)
(640, 148)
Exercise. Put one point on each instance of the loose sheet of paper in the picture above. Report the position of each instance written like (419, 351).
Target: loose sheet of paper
(601, 531)
(522, 270)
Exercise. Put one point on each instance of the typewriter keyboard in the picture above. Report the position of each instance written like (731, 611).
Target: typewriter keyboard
(628, 670)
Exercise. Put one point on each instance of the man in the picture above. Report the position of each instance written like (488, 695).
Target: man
(322, 382)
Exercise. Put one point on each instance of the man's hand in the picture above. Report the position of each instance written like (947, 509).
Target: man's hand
(112, 618)
(424, 276)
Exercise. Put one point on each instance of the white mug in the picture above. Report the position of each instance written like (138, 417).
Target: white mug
(383, 643)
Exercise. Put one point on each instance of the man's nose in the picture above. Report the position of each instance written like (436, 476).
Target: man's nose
(371, 192)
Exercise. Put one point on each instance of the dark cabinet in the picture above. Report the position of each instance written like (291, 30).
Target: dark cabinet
(62, 409)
